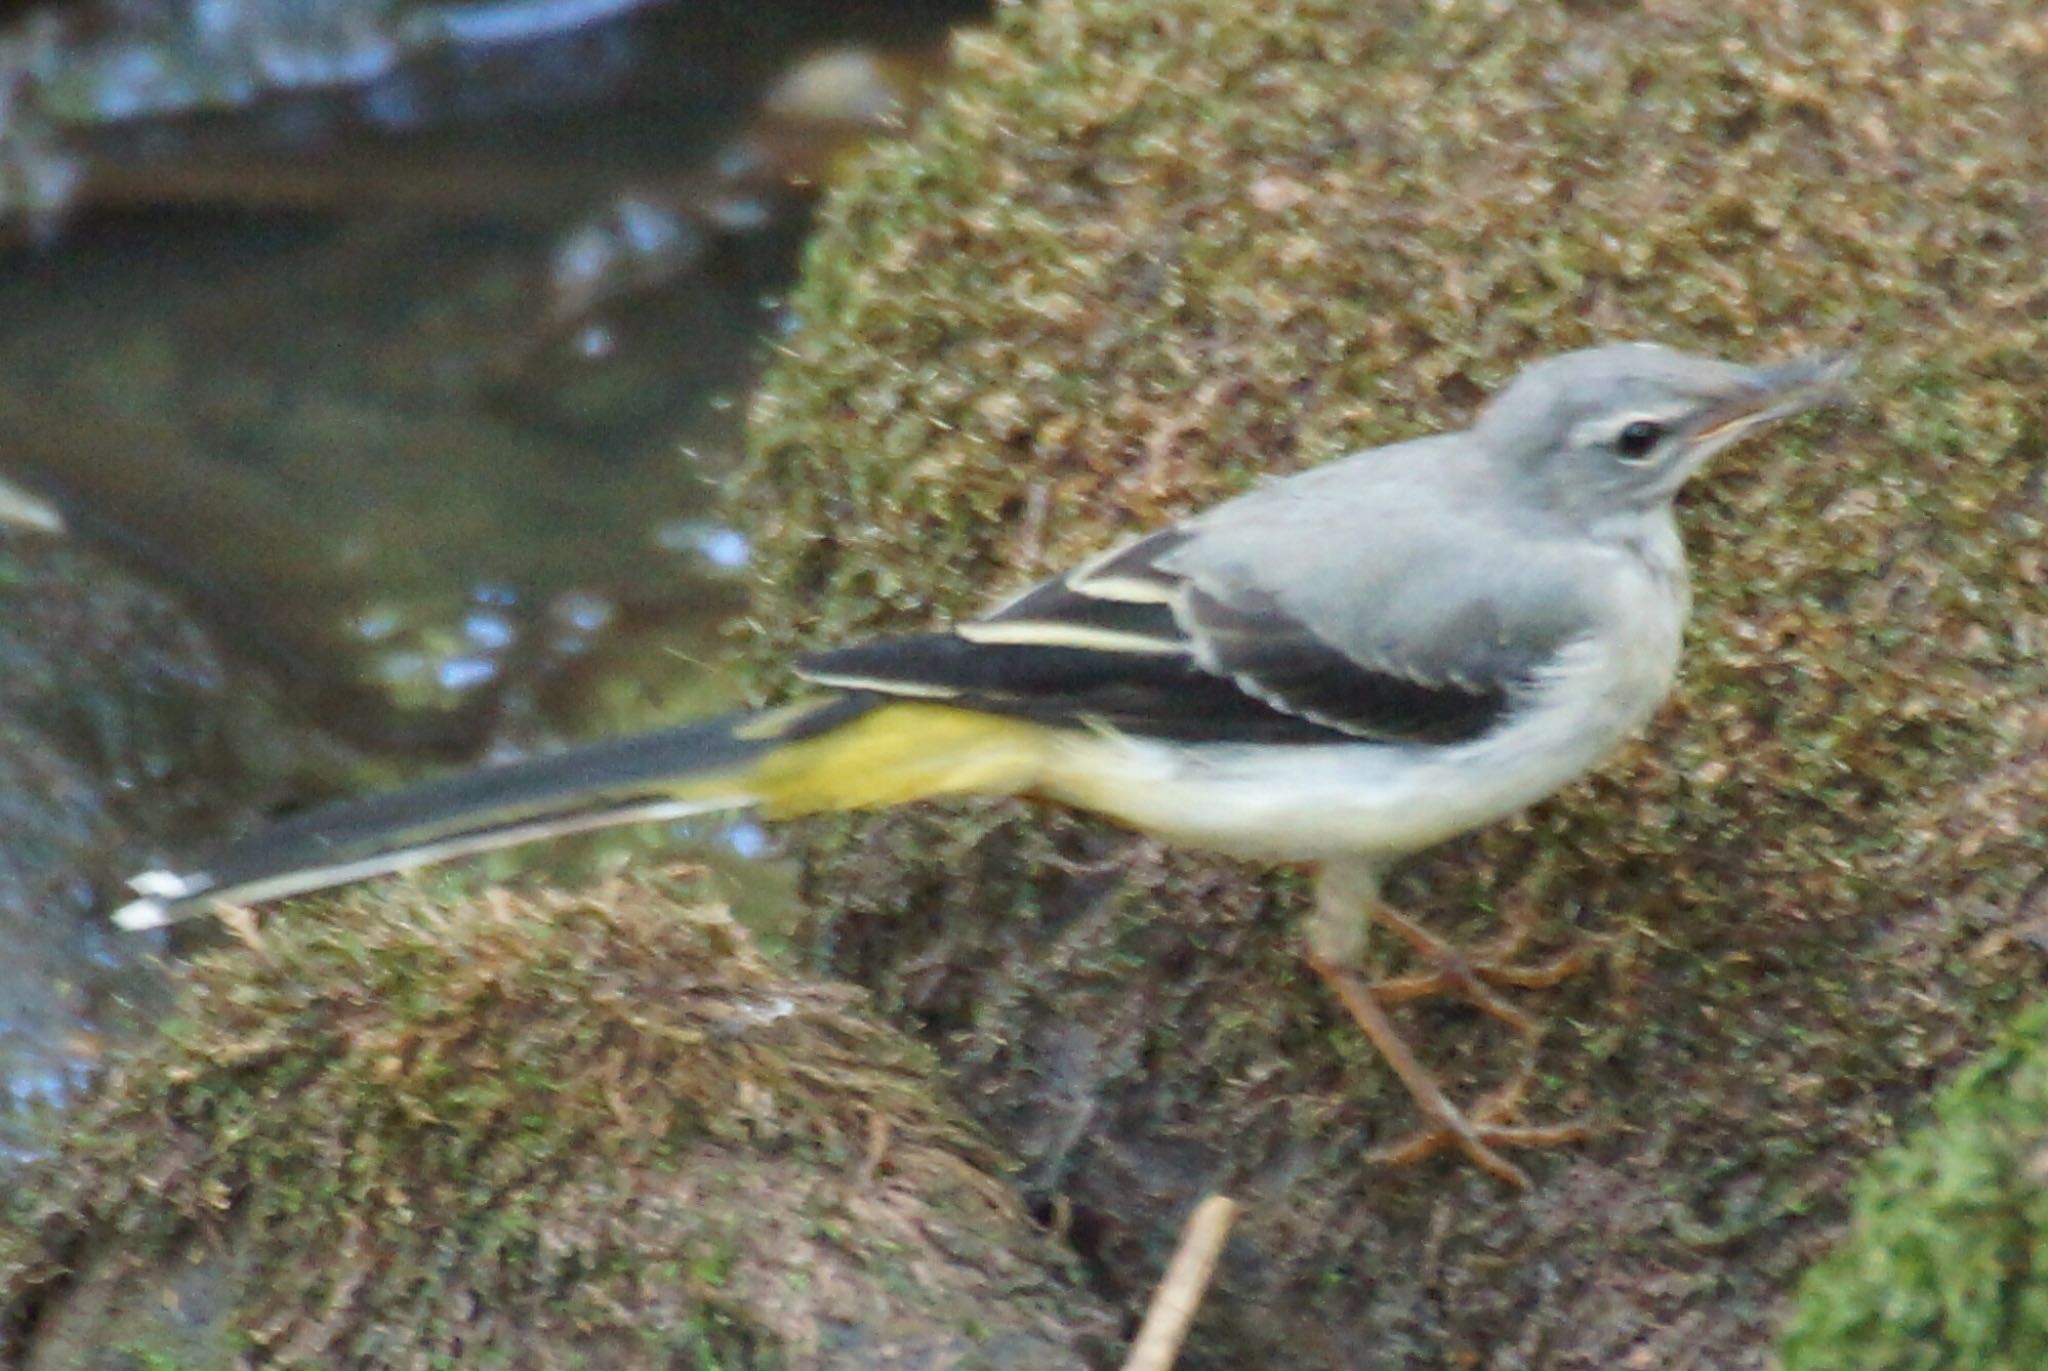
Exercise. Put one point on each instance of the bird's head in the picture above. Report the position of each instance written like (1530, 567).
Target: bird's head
(1617, 429)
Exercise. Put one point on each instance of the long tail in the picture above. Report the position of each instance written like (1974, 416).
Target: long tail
(851, 751)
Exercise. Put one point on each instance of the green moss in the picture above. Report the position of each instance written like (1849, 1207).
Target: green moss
(1946, 1261)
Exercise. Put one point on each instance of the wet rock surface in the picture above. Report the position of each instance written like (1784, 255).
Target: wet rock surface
(114, 743)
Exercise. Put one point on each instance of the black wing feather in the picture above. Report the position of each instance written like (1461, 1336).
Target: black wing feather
(1154, 695)
(1276, 657)
(1067, 599)
(1195, 668)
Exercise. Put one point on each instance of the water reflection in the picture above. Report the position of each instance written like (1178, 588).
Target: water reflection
(416, 387)
(345, 365)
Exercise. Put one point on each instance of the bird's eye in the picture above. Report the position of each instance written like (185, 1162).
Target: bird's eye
(1638, 438)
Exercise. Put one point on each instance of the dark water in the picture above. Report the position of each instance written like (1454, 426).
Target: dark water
(418, 388)
(415, 378)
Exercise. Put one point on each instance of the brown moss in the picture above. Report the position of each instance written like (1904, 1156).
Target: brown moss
(1142, 254)
(562, 1133)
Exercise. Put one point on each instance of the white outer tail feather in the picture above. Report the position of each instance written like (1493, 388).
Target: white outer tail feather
(165, 893)
(139, 916)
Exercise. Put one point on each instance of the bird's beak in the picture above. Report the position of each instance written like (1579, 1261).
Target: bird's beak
(1771, 393)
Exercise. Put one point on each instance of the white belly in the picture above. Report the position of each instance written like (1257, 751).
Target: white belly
(1315, 801)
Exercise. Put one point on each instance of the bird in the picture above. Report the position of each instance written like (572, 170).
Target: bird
(1335, 669)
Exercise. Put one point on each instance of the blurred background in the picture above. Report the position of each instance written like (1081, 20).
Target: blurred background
(400, 349)
(407, 341)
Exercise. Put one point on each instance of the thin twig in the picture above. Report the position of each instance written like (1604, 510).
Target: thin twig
(1180, 1290)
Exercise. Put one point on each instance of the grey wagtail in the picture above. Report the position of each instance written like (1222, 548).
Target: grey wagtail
(1339, 668)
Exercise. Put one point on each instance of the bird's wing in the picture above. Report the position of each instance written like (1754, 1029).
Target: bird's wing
(1268, 620)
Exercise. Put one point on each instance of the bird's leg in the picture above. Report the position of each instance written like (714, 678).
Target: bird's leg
(1347, 901)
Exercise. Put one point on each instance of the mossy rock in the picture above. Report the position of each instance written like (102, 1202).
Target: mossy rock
(1142, 254)
(581, 1132)
(1945, 1267)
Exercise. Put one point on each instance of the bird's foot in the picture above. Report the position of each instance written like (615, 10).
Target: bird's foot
(1347, 903)
(1489, 1126)
(1475, 975)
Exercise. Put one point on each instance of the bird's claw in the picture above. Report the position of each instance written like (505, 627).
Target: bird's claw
(1488, 1126)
